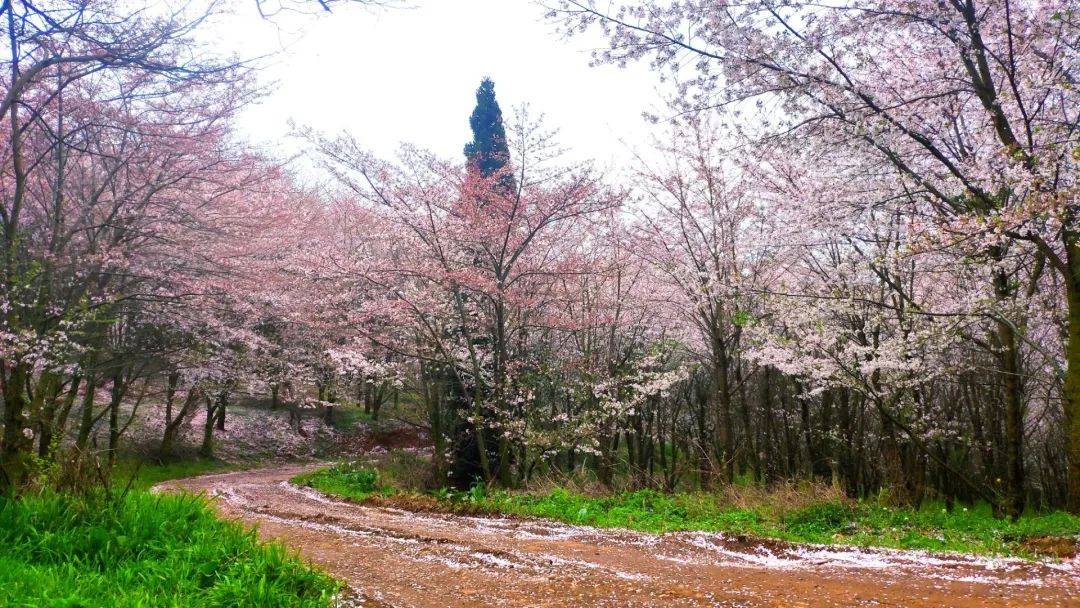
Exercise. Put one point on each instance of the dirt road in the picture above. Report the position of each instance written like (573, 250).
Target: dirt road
(397, 558)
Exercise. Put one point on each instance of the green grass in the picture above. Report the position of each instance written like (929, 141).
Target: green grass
(968, 530)
(57, 550)
(792, 514)
(354, 482)
(148, 474)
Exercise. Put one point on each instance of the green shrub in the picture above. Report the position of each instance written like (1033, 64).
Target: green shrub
(354, 481)
(823, 519)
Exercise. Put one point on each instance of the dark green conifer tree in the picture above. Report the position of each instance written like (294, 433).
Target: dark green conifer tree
(488, 152)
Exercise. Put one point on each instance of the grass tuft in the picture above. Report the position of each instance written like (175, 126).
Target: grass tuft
(353, 481)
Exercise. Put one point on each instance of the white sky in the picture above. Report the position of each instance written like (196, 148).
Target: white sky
(410, 75)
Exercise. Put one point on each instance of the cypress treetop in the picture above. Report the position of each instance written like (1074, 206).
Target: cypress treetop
(488, 152)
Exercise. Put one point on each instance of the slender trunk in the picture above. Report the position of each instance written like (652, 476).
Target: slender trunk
(722, 411)
(749, 434)
(807, 433)
(765, 396)
(704, 438)
(13, 373)
(86, 421)
(172, 430)
(433, 399)
(480, 428)
(1071, 401)
(504, 462)
(605, 470)
(826, 453)
(58, 423)
(1009, 360)
(376, 401)
(47, 402)
(846, 447)
(206, 450)
(219, 418)
(119, 387)
(170, 396)
(16, 447)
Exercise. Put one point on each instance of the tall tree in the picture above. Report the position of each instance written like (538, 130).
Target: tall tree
(488, 152)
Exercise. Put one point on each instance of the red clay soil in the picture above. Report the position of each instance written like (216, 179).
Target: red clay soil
(395, 558)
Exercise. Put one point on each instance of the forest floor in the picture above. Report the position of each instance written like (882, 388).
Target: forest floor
(393, 557)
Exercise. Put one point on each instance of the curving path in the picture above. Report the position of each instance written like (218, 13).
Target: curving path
(397, 558)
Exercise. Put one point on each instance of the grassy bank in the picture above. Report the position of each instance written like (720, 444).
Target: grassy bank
(143, 550)
(143, 475)
(814, 514)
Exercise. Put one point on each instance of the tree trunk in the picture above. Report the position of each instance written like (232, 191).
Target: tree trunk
(1072, 371)
(722, 411)
(172, 430)
(767, 455)
(15, 451)
(605, 469)
(749, 435)
(433, 400)
(377, 397)
(48, 398)
(58, 423)
(170, 396)
(86, 421)
(206, 450)
(116, 396)
(807, 432)
(1009, 360)
(219, 418)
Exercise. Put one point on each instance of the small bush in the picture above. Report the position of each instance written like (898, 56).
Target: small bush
(826, 518)
(355, 481)
(363, 480)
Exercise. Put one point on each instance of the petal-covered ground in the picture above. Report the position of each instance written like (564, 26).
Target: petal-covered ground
(391, 557)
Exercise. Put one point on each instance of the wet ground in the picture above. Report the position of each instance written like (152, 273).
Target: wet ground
(396, 558)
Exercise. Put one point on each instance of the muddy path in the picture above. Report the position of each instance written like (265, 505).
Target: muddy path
(397, 558)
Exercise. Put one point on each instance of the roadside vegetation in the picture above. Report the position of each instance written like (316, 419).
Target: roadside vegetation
(141, 549)
(142, 475)
(89, 533)
(797, 512)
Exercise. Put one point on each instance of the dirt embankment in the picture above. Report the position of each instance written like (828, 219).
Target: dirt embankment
(391, 557)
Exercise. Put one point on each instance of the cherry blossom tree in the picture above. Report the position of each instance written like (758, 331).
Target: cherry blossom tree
(707, 234)
(128, 206)
(972, 105)
(474, 262)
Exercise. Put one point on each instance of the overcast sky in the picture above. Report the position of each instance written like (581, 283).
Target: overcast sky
(410, 75)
